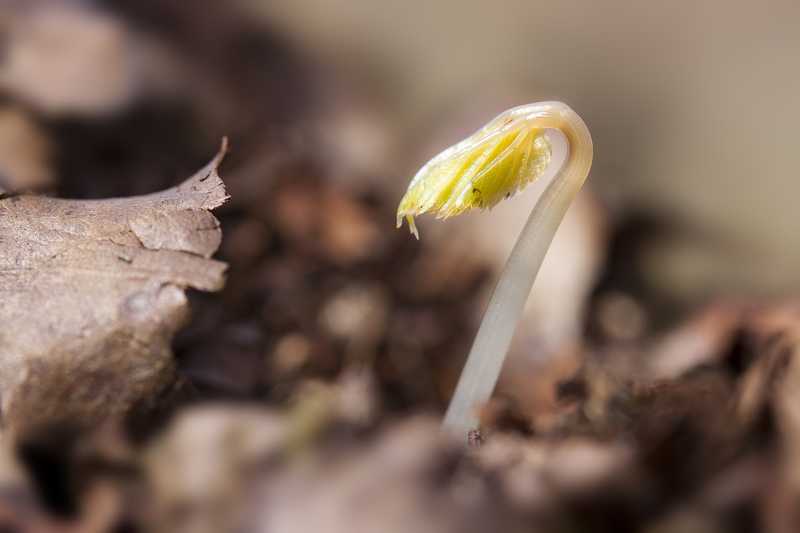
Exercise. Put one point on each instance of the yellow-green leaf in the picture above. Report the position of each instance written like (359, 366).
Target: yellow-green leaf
(494, 163)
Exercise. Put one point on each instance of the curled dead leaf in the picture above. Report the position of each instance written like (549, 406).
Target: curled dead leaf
(91, 292)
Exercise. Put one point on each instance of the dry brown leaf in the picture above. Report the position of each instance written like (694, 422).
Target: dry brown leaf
(91, 292)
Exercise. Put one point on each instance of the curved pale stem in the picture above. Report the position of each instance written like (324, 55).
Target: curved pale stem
(505, 308)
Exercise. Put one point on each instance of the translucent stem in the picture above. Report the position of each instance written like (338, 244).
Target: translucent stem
(491, 344)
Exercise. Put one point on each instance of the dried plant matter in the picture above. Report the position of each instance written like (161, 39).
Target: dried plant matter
(92, 292)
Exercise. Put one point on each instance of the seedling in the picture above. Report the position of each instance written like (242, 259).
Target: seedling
(517, 147)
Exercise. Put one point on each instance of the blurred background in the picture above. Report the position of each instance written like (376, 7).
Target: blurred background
(686, 223)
